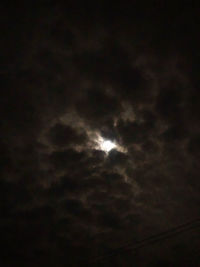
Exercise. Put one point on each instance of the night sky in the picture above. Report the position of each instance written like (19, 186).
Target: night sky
(77, 77)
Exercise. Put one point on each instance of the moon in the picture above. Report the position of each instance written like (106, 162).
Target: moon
(107, 145)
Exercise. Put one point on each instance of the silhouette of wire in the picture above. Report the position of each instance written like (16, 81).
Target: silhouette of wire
(147, 241)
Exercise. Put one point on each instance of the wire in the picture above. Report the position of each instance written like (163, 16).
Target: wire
(147, 241)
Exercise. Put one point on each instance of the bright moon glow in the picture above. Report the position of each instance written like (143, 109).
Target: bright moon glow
(107, 145)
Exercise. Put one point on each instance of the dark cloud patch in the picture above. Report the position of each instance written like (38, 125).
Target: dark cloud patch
(97, 156)
(24, 22)
(150, 147)
(193, 106)
(169, 104)
(194, 146)
(113, 66)
(109, 133)
(18, 108)
(175, 133)
(98, 107)
(61, 33)
(133, 132)
(5, 158)
(117, 158)
(73, 206)
(68, 158)
(109, 219)
(63, 135)
(131, 84)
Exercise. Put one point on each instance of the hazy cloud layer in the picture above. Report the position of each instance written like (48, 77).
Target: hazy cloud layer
(129, 75)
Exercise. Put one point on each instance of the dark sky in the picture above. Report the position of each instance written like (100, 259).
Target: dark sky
(77, 70)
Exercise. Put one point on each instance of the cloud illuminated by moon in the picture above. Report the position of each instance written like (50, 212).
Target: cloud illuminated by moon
(107, 145)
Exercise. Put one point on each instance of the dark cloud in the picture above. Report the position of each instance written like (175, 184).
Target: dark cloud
(67, 159)
(194, 146)
(169, 104)
(117, 158)
(63, 135)
(129, 74)
(133, 132)
(98, 107)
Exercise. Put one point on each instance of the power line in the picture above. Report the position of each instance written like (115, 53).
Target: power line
(147, 241)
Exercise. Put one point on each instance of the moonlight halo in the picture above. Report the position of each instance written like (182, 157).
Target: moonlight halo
(107, 145)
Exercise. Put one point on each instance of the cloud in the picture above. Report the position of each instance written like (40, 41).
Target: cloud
(132, 79)
(63, 135)
(98, 108)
